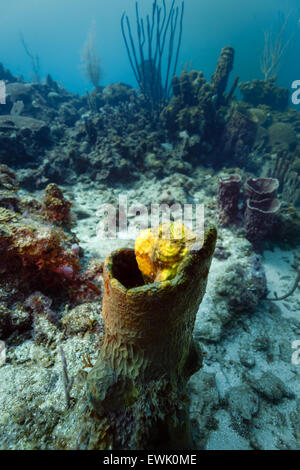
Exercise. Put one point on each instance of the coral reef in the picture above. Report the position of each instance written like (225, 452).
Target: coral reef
(44, 256)
(286, 168)
(109, 134)
(20, 135)
(192, 107)
(6, 75)
(265, 92)
(56, 207)
(8, 188)
(154, 59)
(236, 140)
(220, 78)
(282, 136)
(197, 106)
(288, 229)
(43, 251)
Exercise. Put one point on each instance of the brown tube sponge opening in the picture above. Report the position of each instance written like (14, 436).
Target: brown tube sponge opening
(261, 188)
(125, 269)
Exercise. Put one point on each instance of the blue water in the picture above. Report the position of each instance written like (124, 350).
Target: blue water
(55, 30)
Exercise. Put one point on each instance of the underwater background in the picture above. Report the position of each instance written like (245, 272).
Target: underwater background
(113, 336)
(56, 30)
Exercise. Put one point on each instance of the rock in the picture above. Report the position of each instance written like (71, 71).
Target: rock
(18, 91)
(83, 318)
(241, 287)
(22, 139)
(12, 319)
(265, 92)
(288, 229)
(205, 401)
(243, 404)
(282, 136)
(196, 108)
(6, 75)
(237, 139)
(19, 318)
(68, 114)
(261, 343)
(116, 93)
(220, 78)
(44, 331)
(25, 124)
(270, 387)
(237, 291)
(246, 359)
(259, 116)
(4, 320)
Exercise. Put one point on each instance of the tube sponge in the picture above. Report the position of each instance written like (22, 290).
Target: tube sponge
(147, 355)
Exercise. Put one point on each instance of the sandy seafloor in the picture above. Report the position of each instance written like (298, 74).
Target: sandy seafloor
(246, 396)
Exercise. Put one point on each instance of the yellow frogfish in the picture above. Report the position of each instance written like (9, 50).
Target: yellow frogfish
(160, 251)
